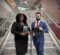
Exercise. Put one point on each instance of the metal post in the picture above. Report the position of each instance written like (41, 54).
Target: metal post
(31, 44)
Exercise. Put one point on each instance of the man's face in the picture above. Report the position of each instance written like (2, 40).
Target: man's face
(38, 17)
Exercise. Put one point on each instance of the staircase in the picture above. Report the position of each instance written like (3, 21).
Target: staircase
(49, 46)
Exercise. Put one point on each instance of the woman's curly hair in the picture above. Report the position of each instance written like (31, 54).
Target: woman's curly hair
(18, 17)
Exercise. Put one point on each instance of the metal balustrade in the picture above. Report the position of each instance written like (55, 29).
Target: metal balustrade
(55, 28)
(4, 27)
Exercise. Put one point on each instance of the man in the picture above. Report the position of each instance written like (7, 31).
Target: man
(38, 29)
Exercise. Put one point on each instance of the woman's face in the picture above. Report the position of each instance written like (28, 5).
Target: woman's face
(21, 18)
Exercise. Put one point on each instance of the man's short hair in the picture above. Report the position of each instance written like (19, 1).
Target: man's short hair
(38, 13)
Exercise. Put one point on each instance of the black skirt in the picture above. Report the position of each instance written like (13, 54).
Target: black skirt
(21, 46)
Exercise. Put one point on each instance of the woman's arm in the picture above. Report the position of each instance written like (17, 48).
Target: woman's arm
(13, 29)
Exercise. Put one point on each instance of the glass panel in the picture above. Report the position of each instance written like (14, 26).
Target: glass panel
(53, 25)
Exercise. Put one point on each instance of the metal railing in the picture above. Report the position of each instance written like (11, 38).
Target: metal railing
(50, 21)
(4, 29)
(4, 26)
(53, 36)
(5, 37)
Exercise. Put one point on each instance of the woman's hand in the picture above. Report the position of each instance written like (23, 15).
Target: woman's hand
(23, 33)
(28, 33)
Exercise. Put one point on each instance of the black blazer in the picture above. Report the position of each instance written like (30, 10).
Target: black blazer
(16, 29)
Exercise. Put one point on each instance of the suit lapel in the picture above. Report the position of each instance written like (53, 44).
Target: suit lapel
(40, 24)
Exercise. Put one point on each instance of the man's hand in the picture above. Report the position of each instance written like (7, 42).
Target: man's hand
(40, 28)
(32, 33)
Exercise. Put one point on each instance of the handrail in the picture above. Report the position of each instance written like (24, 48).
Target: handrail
(53, 36)
(52, 20)
(6, 34)
(4, 24)
(4, 40)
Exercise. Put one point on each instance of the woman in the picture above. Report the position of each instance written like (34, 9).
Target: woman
(21, 36)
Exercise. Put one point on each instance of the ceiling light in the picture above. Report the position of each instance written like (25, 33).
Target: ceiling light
(25, 2)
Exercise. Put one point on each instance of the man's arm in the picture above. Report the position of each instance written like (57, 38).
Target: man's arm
(45, 28)
(32, 28)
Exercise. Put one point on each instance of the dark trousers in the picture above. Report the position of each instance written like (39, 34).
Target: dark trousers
(39, 45)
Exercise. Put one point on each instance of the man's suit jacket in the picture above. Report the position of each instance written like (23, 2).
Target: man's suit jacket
(40, 35)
